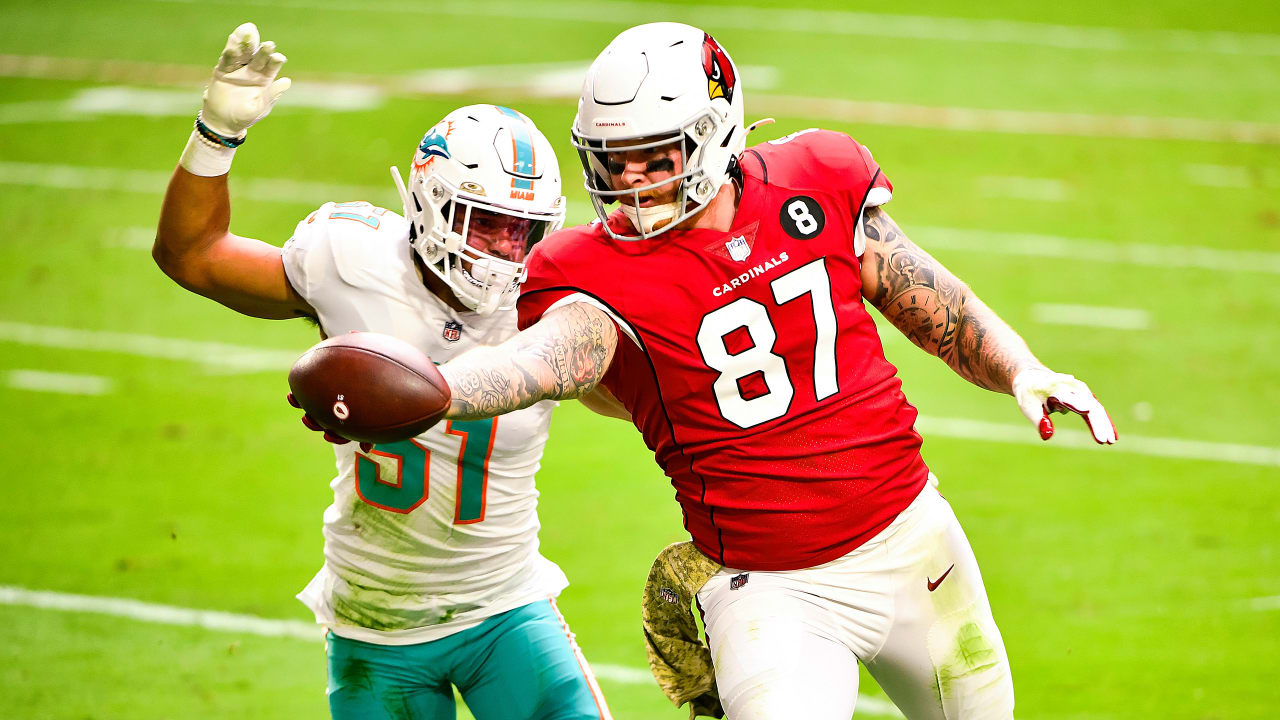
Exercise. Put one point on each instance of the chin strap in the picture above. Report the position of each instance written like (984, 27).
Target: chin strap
(489, 305)
(645, 218)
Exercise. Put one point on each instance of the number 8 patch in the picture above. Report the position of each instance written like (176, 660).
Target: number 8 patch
(802, 217)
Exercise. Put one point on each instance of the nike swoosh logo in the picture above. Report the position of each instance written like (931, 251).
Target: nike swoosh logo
(933, 584)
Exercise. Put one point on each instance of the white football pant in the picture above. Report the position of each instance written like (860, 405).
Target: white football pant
(909, 604)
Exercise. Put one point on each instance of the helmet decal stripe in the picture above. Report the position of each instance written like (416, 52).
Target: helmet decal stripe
(523, 161)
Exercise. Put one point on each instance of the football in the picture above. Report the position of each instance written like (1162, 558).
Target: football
(369, 387)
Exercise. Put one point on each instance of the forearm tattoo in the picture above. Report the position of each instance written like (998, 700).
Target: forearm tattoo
(936, 310)
(562, 357)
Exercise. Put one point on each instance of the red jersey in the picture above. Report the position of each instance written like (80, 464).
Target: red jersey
(753, 369)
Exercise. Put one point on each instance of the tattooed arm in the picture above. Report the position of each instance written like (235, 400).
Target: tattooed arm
(561, 357)
(936, 310)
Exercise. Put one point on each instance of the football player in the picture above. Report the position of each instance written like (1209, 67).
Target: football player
(723, 305)
(432, 576)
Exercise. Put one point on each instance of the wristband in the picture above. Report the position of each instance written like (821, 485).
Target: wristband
(214, 137)
(204, 158)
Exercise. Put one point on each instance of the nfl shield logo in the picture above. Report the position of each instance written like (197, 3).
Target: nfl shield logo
(452, 330)
(738, 581)
(738, 248)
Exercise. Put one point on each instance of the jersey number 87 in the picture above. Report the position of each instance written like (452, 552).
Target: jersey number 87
(811, 279)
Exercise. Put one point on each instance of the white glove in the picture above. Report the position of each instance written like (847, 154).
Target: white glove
(244, 85)
(1040, 391)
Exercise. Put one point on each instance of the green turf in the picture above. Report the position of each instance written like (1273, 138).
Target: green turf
(1125, 585)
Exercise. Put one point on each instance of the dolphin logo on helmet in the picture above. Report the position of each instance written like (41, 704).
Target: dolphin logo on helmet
(434, 145)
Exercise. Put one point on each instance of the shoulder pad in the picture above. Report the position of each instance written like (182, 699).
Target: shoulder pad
(356, 243)
(816, 159)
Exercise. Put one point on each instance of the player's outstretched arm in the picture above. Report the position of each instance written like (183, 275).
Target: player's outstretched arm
(193, 243)
(941, 315)
(561, 357)
(194, 247)
(936, 310)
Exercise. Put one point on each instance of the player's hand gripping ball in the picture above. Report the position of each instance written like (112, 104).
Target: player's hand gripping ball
(367, 387)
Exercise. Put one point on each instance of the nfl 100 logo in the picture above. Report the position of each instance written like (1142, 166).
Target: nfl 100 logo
(452, 330)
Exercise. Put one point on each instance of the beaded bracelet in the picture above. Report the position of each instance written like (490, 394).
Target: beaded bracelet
(214, 137)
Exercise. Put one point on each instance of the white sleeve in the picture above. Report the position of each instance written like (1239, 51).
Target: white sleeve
(346, 260)
(877, 197)
(344, 245)
(308, 259)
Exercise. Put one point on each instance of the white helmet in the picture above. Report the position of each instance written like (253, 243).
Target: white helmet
(663, 83)
(483, 189)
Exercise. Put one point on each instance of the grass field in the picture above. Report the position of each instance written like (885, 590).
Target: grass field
(1120, 157)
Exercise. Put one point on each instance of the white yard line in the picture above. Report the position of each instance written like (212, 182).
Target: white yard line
(1091, 316)
(35, 111)
(1024, 188)
(1232, 176)
(164, 102)
(244, 358)
(1096, 251)
(823, 22)
(550, 79)
(130, 238)
(78, 177)
(1024, 434)
(55, 382)
(984, 241)
(451, 81)
(1263, 604)
(1016, 121)
(298, 629)
(1224, 176)
(161, 614)
(234, 357)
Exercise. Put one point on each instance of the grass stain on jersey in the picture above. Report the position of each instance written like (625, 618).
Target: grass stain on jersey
(380, 527)
(355, 612)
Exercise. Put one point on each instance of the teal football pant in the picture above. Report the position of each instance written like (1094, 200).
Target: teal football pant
(520, 665)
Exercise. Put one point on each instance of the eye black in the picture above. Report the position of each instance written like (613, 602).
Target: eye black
(663, 165)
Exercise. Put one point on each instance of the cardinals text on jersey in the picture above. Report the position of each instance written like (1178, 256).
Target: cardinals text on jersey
(754, 370)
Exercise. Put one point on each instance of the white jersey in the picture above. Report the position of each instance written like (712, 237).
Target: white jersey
(429, 536)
